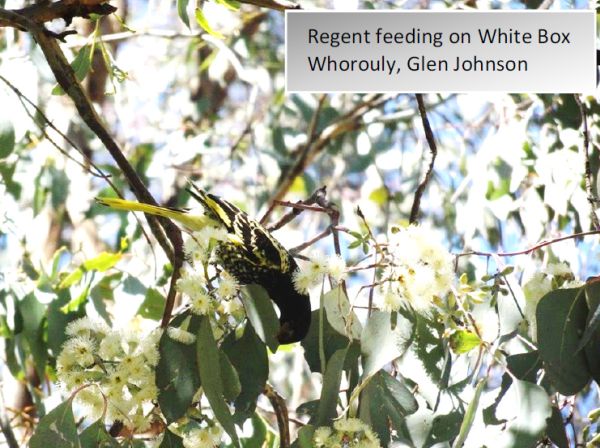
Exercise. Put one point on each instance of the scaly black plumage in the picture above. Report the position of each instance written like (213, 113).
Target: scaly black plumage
(255, 256)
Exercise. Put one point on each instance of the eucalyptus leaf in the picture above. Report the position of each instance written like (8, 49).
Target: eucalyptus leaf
(380, 344)
(340, 316)
(7, 136)
(261, 314)
(248, 355)
(331, 389)
(177, 376)
(33, 314)
(96, 436)
(561, 317)
(56, 429)
(209, 368)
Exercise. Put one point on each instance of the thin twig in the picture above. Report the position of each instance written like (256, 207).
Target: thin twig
(310, 242)
(372, 290)
(537, 246)
(7, 431)
(280, 409)
(297, 208)
(279, 5)
(591, 196)
(414, 212)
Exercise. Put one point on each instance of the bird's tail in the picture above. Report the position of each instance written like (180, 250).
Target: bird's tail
(192, 222)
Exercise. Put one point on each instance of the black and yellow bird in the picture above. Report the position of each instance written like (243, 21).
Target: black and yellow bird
(251, 255)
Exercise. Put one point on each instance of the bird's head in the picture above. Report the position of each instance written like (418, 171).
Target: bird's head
(295, 321)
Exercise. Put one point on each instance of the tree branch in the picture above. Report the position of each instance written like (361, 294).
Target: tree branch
(532, 248)
(46, 12)
(66, 79)
(280, 409)
(414, 212)
(591, 197)
(279, 5)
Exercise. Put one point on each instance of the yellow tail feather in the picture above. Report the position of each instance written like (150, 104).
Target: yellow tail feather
(192, 222)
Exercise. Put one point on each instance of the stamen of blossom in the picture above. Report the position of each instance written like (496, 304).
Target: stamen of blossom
(420, 269)
(191, 284)
(336, 268)
(179, 335)
(200, 304)
(302, 280)
(228, 286)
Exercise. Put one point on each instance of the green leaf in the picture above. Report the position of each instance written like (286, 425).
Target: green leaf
(463, 341)
(417, 428)
(380, 344)
(133, 286)
(334, 342)
(56, 260)
(380, 195)
(248, 355)
(81, 65)
(58, 320)
(590, 341)
(78, 302)
(445, 428)
(561, 316)
(59, 188)
(103, 262)
(340, 316)
(7, 173)
(526, 408)
(208, 364)
(261, 314)
(232, 5)
(231, 381)
(153, 305)
(103, 292)
(203, 22)
(385, 403)
(33, 313)
(96, 436)
(331, 389)
(262, 435)
(523, 366)
(40, 192)
(470, 413)
(177, 376)
(56, 429)
(182, 11)
(7, 135)
(305, 437)
(171, 440)
(71, 279)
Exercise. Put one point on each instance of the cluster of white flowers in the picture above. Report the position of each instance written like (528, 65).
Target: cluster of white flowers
(203, 437)
(220, 299)
(201, 244)
(351, 433)
(419, 269)
(117, 366)
(319, 266)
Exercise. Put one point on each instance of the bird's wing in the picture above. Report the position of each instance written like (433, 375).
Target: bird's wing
(262, 247)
